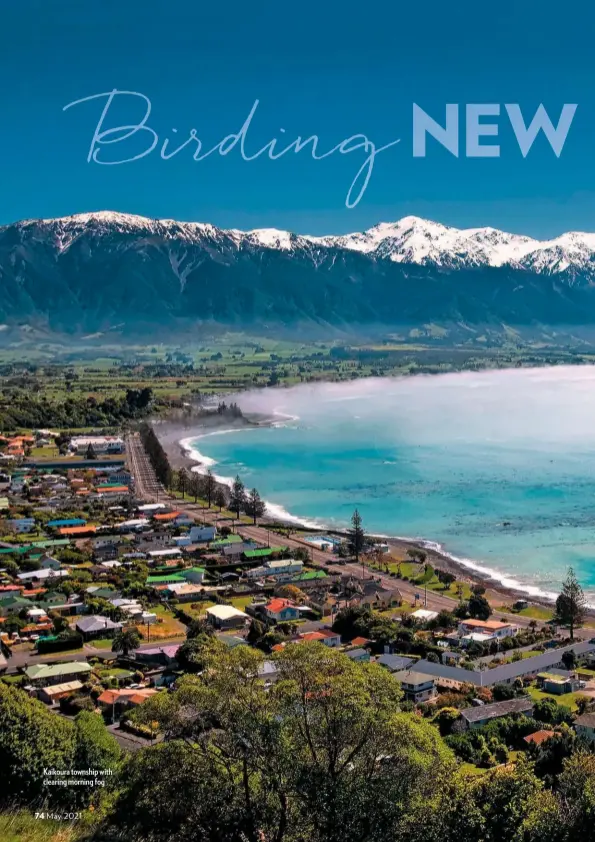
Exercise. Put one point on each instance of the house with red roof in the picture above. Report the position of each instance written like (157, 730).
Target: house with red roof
(324, 636)
(281, 610)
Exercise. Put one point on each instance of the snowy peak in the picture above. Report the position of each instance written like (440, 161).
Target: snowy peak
(410, 240)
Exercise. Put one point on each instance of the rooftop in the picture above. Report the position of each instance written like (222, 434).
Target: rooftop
(411, 677)
(225, 612)
(41, 671)
(483, 712)
(539, 737)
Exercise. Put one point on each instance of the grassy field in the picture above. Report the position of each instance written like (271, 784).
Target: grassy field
(166, 626)
(102, 643)
(567, 699)
(416, 575)
(537, 612)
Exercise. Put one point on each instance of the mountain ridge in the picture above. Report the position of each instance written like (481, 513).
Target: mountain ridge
(90, 271)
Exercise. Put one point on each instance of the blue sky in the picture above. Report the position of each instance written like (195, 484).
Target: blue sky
(328, 68)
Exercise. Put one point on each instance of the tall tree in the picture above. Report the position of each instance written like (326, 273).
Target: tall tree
(255, 507)
(210, 486)
(195, 485)
(221, 497)
(571, 605)
(237, 497)
(357, 538)
(182, 481)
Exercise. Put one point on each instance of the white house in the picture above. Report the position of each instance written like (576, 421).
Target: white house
(42, 575)
(423, 615)
(284, 567)
(226, 616)
(494, 629)
(100, 444)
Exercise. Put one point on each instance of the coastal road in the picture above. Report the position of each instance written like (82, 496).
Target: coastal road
(148, 488)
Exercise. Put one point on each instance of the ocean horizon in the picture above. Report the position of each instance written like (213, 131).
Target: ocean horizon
(495, 468)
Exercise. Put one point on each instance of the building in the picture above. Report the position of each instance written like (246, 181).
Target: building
(48, 562)
(507, 673)
(121, 477)
(417, 686)
(358, 654)
(200, 534)
(6, 591)
(22, 524)
(42, 575)
(281, 610)
(558, 682)
(494, 629)
(161, 655)
(226, 617)
(72, 521)
(194, 574)
(395, 663)
(55, 692)
(97, 626)
(77, 531)
(538, 737)
(100, 444)
(423, 615)
(43, 675)
(13, 605)
(475, 717)
(381, 598)
(324, 636)
(185, 591)
(117, 701)
(585, 726)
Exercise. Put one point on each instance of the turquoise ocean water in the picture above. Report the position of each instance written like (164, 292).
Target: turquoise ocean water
(497, 467)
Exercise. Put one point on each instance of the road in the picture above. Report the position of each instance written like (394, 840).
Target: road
(24, 656)
(147, 488)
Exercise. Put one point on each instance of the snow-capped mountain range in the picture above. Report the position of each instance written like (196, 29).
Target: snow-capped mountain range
(89, 272)
(410, 240)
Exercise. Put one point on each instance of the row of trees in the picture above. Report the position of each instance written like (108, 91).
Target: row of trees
(156, 454)
(204, 486)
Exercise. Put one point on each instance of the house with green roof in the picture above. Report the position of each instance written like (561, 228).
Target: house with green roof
(14, 605)
(225, 542)
(44, 674)
(13, 550)
(166, 579)
(193, 574)
(263, 552)
(309, 575)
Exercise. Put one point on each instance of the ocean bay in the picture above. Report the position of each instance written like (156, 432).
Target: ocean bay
(498, 467)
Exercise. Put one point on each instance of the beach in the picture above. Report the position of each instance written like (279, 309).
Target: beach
(176, 435)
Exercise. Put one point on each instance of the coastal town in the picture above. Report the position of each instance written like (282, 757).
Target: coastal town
(103, 572)
(126, 577)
